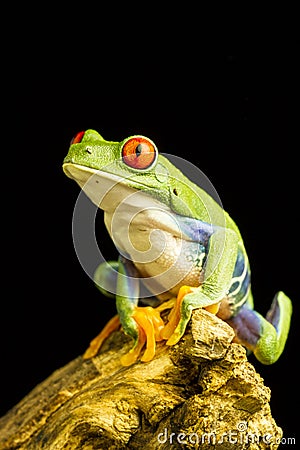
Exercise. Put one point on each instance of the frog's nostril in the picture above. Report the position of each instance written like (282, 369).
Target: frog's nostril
(77, 138)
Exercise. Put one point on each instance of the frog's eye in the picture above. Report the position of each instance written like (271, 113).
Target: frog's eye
(139, 152)
(77, 138)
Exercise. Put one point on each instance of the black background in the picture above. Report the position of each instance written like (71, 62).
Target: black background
(238, 126)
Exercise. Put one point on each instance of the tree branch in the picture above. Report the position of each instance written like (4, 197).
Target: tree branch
(201, 392)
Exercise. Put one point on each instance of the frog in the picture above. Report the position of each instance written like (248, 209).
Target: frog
(179, 251)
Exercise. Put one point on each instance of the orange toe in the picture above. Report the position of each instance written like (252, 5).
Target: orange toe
(112, 325)
(175, 314)
(151, 323)
(132, 356)
(213, 308)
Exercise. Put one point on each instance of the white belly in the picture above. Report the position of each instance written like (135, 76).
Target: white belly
(153, 241)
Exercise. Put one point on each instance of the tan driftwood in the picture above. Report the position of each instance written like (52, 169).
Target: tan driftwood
(201, 393)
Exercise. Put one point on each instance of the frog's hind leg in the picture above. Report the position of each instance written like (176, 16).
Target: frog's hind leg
(266, 337)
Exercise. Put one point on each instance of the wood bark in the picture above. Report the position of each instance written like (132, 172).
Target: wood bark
(201, 393)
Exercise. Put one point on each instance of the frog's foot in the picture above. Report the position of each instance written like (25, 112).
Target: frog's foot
(265, 337)
(188, 298)
(149, 326)
(95, 345)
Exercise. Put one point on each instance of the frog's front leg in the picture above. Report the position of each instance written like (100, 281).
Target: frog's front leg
(105, 278)
(266, 337)
(143, 324)
(220, 263)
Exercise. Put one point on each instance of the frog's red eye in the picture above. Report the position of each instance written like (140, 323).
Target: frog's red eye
(77, 138)
(139, 152)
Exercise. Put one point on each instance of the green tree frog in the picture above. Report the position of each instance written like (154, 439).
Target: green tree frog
(179, 250)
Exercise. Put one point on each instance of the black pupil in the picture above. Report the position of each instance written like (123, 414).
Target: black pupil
(139, 149)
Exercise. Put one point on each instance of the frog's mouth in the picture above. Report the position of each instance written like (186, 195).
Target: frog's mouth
(107, 190)
(83, 174)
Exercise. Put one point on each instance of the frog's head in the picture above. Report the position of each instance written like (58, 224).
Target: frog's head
(136, 154)
(115, 169)
(132, 163)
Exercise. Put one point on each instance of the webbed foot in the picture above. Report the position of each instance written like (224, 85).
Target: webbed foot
(188, 298)
(266, 337)
(149, 325)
